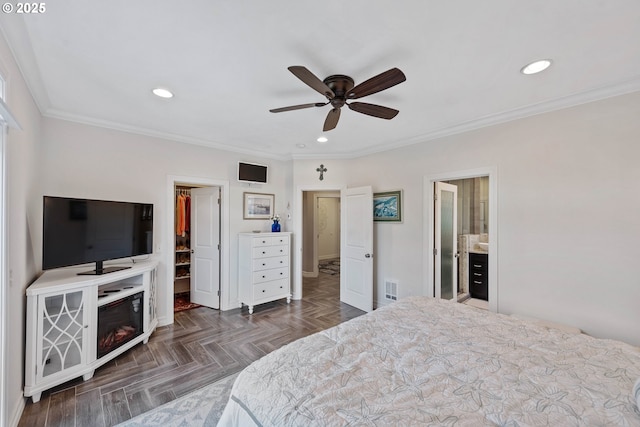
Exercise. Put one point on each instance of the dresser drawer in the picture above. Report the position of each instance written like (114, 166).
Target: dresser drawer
(478, 289)
(478, 275)
(268, 263)
(276, 288)
(270, 251)
(270, 241)
(478, 262)
(267, 275)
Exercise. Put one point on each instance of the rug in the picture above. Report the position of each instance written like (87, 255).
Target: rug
(330, 266)
(199, 408)
(183, 302)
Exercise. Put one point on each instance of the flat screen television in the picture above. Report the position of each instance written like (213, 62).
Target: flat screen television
(252, 173)
(81, 231)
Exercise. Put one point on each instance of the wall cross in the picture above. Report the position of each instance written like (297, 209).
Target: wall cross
(322, 170)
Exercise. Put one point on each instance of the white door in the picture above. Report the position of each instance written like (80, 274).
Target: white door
(446, 241)
(205, 246)
(356, 254)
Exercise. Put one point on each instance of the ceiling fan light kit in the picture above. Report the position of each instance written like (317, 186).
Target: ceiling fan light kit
(339, 88)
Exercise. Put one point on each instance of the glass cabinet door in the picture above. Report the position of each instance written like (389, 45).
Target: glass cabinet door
(61, 324)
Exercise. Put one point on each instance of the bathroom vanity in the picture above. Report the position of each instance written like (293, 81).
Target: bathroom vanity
(479, 275)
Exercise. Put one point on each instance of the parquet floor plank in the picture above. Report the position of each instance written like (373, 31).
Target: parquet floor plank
(201, 347)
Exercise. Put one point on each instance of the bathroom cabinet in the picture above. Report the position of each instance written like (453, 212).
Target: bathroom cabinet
(479, 276)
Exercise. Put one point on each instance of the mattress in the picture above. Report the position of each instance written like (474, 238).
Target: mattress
(422, 361)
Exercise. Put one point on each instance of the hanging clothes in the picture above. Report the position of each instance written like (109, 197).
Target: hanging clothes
(187, 213)
(183, 213)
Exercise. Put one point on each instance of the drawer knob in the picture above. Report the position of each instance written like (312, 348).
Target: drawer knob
(263, 290)
(477, 283)
(263, 277)
(263, 264)
(475, 265)
(281, 273)
(263, 252)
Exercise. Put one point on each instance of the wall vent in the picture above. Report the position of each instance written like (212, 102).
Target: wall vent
(391, 290)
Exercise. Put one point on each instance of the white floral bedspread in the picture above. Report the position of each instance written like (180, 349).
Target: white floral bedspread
(422, 361)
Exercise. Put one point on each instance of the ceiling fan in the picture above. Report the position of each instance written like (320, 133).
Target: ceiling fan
(338, 89)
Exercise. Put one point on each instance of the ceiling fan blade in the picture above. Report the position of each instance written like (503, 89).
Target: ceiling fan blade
(374, 110)
(311, 80)
(332, 119)
(298, 107)
(377, 83)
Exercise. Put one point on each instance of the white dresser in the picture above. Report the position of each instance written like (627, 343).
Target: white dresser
(264, 262)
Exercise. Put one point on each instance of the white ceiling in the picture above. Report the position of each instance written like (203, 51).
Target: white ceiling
(226, 61)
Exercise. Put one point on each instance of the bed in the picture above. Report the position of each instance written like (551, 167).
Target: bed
(422, 361)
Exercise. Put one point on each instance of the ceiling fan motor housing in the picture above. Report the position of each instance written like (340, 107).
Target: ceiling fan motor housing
(340, 85)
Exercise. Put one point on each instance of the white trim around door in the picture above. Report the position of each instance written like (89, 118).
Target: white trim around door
(428, 230)
(297, 233)
(169, 241)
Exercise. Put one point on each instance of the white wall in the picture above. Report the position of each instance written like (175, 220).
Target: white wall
(23, 226)
(91, 162)
(567, 216)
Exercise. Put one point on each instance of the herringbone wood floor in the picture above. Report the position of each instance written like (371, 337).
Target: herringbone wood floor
(202, 346)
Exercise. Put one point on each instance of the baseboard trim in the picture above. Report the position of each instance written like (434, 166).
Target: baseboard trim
(17, 412)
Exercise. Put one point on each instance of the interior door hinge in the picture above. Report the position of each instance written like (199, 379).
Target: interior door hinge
(435, 252)
(435, 196)
(218, 246)
(218, 201)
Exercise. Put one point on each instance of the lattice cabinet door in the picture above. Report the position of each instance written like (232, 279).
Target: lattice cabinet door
(62, 334)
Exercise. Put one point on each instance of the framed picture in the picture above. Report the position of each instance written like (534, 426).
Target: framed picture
(387, 206)
(258, 206)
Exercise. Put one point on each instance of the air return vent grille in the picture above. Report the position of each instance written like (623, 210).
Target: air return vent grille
(391, 290)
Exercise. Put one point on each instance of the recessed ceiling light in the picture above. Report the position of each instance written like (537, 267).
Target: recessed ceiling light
(322, 139)
(536, 66)
(301, 145)
(162, 93)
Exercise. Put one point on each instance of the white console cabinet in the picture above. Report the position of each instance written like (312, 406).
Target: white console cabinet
(264, 262)
(62, 321)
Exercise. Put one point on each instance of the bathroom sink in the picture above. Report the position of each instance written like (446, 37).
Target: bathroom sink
(483, 246)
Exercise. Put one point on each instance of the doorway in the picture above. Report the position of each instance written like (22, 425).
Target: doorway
(213, 237)
(356, 245)
(482, 245)
(197, 236)
(321, 231)
(305, 234)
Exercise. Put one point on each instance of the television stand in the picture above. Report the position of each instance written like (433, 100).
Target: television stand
(103, 270)
(69, 316)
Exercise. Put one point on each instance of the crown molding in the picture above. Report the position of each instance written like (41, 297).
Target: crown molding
(75, 118)
(17, 37)
(598, 94)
